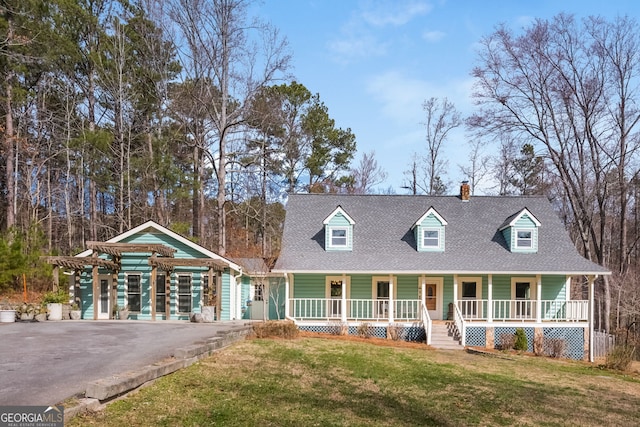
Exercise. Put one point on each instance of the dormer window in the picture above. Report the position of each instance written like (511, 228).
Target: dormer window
(524, 239)
(429, 231)
(338, 237)
(520, 231)
(338, 228)
(430, 238)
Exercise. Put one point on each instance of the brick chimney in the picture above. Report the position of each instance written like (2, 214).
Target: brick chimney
(465, 191)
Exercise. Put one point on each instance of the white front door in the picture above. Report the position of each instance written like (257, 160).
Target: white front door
(104, 300)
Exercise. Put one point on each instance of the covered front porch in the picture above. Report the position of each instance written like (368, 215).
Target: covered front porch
(468, 303)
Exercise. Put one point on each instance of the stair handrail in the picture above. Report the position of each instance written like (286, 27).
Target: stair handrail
(427, 323)
(460, 323)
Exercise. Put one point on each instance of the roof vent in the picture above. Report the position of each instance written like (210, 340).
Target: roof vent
(465, 191)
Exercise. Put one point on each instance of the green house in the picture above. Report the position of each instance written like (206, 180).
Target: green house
(471, 269)
(153, 273)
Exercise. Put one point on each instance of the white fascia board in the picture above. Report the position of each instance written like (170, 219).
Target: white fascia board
(172, 234)
(447, 272)
(430, 211)
(337, 211)
(518, 216)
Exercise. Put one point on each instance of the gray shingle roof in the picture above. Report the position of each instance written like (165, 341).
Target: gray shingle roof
(384, 242)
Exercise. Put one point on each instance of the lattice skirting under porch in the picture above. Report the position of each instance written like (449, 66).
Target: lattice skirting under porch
(405, 333)
(572, 338)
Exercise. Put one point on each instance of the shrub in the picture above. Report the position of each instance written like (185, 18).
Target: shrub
(55, 297)
(620, 357)
(395, 332)
(365, 330)
(337, 328)
(555, 347)
(521, 340)
(507, 341)
(275, 328)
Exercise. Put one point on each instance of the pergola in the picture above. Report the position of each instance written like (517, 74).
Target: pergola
(162, 257)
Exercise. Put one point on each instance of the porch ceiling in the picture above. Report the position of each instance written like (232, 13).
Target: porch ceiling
(78, 263)
(171, 263)
(117, 249)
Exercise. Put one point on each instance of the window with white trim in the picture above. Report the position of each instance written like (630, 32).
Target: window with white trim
(133, 292)
(524, 239)
(339, 237)
(184, 293)
(161, 293)
(430, 238)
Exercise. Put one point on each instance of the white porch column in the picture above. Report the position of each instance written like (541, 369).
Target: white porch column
(538, 298)
(455, 290)
(392, 304)
(592, 279)
(343, 302)
(424, 290)
(567, 286)
(490, 298)
(287, 311)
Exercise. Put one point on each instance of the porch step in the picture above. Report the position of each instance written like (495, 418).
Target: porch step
(442, 336)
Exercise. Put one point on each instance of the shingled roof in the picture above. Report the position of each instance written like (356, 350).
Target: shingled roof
(383, 241)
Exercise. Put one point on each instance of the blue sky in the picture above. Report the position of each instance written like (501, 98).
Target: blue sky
(374, 62)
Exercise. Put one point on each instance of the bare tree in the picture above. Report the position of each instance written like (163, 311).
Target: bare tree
(236, 57)
(367, 174)
(477, 167)
(570, 90)
(441, 118)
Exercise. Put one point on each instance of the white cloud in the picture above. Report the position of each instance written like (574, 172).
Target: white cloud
(402, 96)
(355, 46)
(433, 36)
(360, 35)
(393, 13)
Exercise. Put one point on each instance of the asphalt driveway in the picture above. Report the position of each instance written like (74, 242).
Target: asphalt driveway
(44, 363)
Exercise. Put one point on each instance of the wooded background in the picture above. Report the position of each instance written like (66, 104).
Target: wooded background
(184, 112)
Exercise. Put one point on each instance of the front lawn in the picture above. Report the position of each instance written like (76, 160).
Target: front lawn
(326, 382)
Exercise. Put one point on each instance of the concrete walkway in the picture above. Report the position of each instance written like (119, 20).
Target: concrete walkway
(48, 362)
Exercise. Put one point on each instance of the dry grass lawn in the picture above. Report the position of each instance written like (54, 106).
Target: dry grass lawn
(324, 381)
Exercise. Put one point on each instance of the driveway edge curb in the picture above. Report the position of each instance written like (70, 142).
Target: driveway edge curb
(99, 393)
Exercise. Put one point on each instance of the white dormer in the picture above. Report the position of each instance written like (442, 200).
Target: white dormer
(521, 232)
(338, 231)
(429, 231)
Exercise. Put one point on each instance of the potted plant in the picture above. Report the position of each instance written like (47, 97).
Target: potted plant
(123, 313)
(75, 312)
(54, 301)
(7, 313)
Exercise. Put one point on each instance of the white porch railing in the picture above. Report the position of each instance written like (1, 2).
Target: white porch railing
(460, 324)
(521, 310)
(427, 322)
(357, 309)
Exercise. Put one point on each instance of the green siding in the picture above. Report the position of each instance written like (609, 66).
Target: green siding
(338, 220)
(554, 288)
(245, 290)
(407, 287)
(361, 286)
(430, 222)
(183, 251)
(501, 287)
(309, 286)
(276, 297)
(225, 302)
(524, 223)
